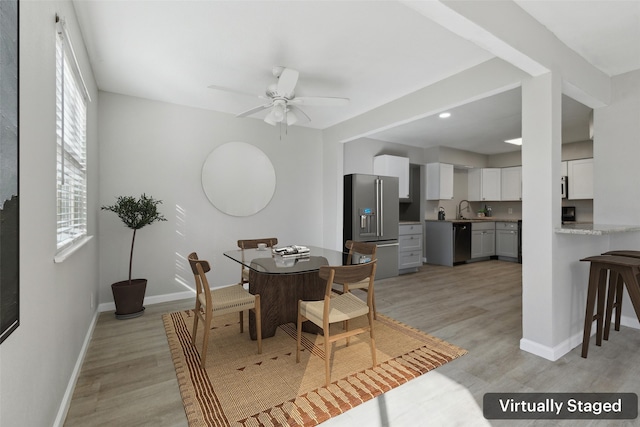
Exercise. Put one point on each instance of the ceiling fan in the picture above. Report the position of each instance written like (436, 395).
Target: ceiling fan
(283, 102)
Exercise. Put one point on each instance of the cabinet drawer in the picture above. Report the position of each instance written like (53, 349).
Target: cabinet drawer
(488, 225)
(410, 242)
(409, 259)
(507, 226)
(410, 229)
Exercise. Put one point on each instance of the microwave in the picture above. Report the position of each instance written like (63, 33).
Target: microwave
(565, 188)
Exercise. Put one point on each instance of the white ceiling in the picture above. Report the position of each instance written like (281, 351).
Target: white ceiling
(369, 51)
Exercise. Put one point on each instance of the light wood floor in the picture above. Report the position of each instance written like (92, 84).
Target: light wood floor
(128, 377)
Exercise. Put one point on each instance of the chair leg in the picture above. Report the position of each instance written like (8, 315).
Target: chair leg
(196, 317)
(373, 303)
(258, 323)
(242, 321)
(205, 342)
(371, 316)
(346, 328)
(299, 334)
(327, 356)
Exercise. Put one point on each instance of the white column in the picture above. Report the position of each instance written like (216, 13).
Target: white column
(541, 157)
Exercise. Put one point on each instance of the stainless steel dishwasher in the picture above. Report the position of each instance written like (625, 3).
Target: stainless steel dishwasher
(461, 242)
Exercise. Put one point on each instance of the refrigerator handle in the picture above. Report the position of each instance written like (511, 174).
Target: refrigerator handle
(378, 207)
(381, 210)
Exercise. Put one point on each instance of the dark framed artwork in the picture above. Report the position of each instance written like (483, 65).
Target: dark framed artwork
(9, 204)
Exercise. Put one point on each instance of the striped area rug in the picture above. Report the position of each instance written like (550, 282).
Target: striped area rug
(240, 387)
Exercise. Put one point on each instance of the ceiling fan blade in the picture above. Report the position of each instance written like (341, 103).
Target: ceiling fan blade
(301, 114)
(319, 101)
(237, 92)
(287, 81)
(253, 110)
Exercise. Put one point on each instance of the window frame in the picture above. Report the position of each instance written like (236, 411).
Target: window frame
(72, 101)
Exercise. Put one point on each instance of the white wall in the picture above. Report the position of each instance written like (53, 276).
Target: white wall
(39, 358)
(159, 149)
(616, 150)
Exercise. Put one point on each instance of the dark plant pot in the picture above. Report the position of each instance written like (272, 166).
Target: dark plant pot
(129, 298)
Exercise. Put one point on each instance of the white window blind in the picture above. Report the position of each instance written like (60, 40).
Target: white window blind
(71, 124)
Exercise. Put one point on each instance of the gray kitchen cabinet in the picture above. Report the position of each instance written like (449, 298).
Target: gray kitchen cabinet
(439, 183)
(410, 248)
(484, 184)
(483, 239)
(507, 239)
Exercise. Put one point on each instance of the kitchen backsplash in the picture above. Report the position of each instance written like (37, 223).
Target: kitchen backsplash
(507, 210)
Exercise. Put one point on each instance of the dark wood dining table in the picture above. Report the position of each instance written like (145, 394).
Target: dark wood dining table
(283, 280)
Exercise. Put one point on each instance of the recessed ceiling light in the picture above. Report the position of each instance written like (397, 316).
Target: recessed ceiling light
(516, 141)
(445, 115)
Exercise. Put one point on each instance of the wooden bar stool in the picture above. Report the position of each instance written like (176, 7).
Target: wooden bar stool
(628, 268)
(615, 294)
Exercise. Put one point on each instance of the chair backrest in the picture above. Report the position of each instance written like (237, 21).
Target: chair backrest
(253, 243)
(349, 274)
(200, 267)
(362, 248)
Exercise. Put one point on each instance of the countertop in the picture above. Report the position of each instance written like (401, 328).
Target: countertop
(587, 229)
(485, 219)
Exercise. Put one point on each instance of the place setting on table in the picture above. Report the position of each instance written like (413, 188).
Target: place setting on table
(292, 379)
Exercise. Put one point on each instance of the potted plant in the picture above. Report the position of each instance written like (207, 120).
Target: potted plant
(128, 295)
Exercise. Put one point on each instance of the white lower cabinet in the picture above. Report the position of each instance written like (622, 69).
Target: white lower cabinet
(507, 239)
(410, 248)
(483, 239)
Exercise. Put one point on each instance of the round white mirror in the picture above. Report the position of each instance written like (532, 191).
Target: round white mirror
(238, 179)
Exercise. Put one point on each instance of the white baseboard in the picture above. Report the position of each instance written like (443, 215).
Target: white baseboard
(555, 353)
(68, 394)
(156, 299)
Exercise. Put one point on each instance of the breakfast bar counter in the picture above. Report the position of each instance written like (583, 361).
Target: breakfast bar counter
(590, 229)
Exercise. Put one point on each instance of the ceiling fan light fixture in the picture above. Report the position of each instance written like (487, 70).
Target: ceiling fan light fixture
(291, 117)
(269, 120)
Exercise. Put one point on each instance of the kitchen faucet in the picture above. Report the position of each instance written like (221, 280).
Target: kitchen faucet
(460, 208)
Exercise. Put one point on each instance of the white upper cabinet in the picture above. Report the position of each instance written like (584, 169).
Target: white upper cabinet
(439, 184)
(511, 183)
(387, 165)
(484, 184)
(580, 176)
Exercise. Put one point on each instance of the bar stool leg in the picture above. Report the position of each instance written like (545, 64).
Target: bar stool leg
(592, 291)
(614, 301)
(618, 303)
(599, 316)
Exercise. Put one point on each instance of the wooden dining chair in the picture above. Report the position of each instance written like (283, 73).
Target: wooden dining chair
(252, 244)
(366, 251)
(339, 308)
(215, 302)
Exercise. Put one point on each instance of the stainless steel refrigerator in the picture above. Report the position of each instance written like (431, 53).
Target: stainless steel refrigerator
(371, 214)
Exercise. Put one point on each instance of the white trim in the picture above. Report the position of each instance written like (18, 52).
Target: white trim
(69, 250)
(156, 299)
(555, 353)
(73, 379)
